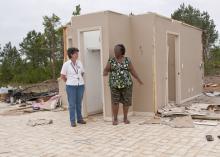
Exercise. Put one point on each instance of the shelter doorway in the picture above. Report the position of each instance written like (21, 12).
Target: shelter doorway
(93, 72)
(173, 72)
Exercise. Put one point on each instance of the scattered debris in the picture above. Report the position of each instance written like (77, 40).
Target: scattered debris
(5, 90)
(29, 93)
(5, 93)
(197, 109)
(210, 85)
(3, 97)
(172, 110)
(182, 116)
(214, 108)
(198, 106)
(206, 122)
(31, 98)
(208, 116)
(36, 122)
(153, 120)
(212, 94)
(181, 122)
(209, 138)
(51, 104)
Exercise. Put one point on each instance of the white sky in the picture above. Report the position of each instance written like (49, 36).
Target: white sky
(20, 16)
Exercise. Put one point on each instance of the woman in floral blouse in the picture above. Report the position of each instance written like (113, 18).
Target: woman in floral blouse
(120, 82)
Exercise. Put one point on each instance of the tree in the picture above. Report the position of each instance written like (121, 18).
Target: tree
(34, 50)
(202, 20)
(11, 63)
(77, 10)
(51, 25)
(1, 55)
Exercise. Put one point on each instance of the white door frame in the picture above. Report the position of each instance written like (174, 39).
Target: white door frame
(177, 68)
(81, 56)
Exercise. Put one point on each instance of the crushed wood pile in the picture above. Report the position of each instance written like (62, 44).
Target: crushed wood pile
(197, 111)
(187, 115)
(211, 84)
(212, 89)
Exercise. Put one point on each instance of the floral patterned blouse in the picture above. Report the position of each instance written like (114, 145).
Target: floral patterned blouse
(119, 75)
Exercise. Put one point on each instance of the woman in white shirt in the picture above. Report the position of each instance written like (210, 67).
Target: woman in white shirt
(72, 73)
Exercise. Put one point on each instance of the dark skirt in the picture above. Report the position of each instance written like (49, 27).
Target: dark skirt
(121, 95)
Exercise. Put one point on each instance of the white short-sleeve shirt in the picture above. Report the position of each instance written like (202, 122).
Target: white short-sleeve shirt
(73, 73)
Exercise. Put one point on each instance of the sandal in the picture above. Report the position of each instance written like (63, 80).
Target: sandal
(126, 121)
(115, 122)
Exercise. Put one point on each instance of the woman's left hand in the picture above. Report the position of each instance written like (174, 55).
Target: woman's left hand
(140, 82)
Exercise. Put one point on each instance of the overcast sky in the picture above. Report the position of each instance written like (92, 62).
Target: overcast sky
(20, 16)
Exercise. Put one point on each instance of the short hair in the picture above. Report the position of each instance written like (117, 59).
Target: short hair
(122, 48)
(72, 51)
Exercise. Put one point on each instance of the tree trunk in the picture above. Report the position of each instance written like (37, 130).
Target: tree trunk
(205, 44)
(53, 65)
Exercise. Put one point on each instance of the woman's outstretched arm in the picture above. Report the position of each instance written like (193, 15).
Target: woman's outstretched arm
(134, 73)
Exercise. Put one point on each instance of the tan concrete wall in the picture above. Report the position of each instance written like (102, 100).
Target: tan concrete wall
(137, 36)
(142, 58)
(119, 33)
(190, 58)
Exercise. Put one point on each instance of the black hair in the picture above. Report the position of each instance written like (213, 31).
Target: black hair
(122, 48)
(72, 51)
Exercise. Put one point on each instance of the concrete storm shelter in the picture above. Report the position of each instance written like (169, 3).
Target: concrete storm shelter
(167, 55)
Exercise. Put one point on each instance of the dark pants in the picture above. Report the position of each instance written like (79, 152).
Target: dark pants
(75, 95)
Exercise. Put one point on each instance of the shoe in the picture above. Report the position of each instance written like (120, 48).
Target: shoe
(126, 121)
(81, 121)
(115, 122)
(73, 124)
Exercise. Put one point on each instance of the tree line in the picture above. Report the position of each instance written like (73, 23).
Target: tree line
(211, 45)
(39, 56)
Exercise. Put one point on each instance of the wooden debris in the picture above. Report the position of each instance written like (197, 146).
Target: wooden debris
(206, 122)
(209, 116)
